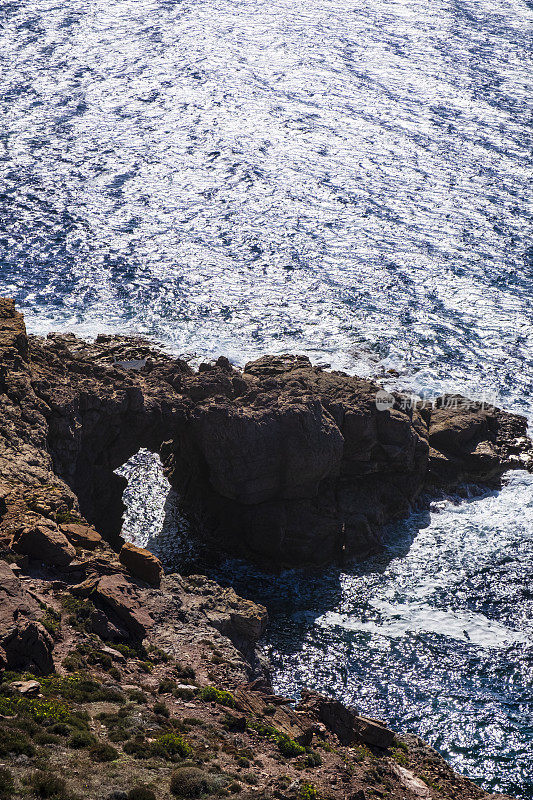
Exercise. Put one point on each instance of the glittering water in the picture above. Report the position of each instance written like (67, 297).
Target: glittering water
(349, 180)
(435, 635)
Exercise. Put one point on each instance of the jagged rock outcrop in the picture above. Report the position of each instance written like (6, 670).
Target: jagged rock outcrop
(345, 722)
(284, 461)
(24, 642)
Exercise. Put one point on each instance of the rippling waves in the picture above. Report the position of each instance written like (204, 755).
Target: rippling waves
(348, 180)
(435, 635)
(243, 177)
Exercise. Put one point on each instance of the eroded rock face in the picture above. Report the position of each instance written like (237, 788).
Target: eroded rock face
(24, 642)
(284, 461)
(301, 466)
(345, 722)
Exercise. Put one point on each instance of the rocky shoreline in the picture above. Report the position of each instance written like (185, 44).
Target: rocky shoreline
(158, 677)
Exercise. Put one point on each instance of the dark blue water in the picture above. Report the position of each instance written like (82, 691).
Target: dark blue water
(350, 180)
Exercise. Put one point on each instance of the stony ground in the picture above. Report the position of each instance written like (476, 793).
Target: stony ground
(123, 722)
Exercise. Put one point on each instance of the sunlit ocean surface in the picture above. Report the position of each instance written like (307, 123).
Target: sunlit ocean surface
(350, 180)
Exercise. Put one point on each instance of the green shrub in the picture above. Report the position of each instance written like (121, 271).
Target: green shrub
(47, 738)
(138, 748)
(170, 746)
(79, 720)
(219, 696)
(162, 709)
(190, 782)
(42, 711)
(166, 686)
(81, 739)
(7, 784)
(136, 696)
(288, 747)
(47, 785)
(79, 688)
(102, 751)
(79, 611)
(141, 793)
(118, 735)
(185, 673)
(73, 662)
(51, 621)
(28, 726)
(308, 792)
(60, 729)
(400, 756)
(13, 741)
(313, 759)
(131, 652)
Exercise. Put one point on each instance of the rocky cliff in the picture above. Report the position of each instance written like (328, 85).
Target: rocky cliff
(283, 461)
(153, 686)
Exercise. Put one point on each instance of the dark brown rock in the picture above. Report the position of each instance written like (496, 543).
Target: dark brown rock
(83, 536)
(29, 646)
(373, 732)
(344, 722)
(45, 543)
(285, 462)
(121, 597)
(141, 563)
(337, 718)
(24, 642)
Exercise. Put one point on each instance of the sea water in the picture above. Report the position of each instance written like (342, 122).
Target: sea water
(345, 179)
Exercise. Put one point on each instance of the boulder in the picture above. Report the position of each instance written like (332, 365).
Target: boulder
(84, 536)
(24, 642)
(241, 620)
(373, 732)
(116, 593)
(29, 646)
(344, 722)
(332, 713)
(141, 563)
(45, 543)
(100, 624)
(27, 688)
(114, 654)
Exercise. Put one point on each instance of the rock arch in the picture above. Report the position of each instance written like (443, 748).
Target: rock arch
(284, 461)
